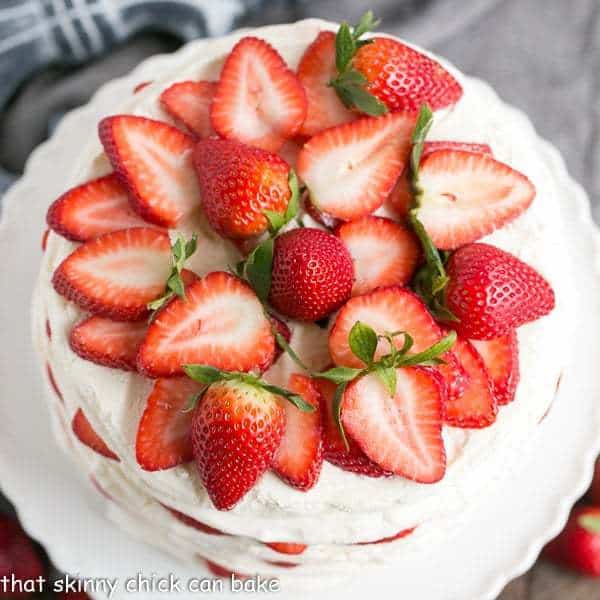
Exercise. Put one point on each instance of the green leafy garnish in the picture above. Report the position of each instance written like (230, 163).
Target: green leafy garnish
(181, 250)
(351, 85)
(208, 375)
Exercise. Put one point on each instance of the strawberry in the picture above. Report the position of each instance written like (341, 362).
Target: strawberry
(187, 520)
(467, 195)
(221, 323)
(19, 560)
(44, 242)
(315, 70)
(85, 433)
(92, 209)
(404, 79)
(351, 459)
(222, 572)
(401, 196)
(259, 100)
(236, 431)
(280, 327)
(312, 274)
(383, 252)
(48, 329)
(402, 434)
(476, 406)
(140, 86)
(52, 381)
(501, 359)
(577, 547)
(117, 274)
(237, 184)
(299, 458)
(286, 547)
(392, 538)
(492, 292)
(153, 160)
(163, 435)
(392, 309)
(188, 102)
(314, 213)
(351, 169)
(109, 343)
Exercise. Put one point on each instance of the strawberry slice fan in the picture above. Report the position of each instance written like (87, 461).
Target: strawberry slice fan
(304, 310)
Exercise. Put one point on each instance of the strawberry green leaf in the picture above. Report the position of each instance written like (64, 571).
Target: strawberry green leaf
(204, 373)
(388, 377)
(367, 23)
(363, 342)
(430, 354)
(337, 411)
(422, 127)
(345, 47)
(276, 220)
(283, 344)
(590, 522)
(295, 399)
(258, 268)
(339, 374)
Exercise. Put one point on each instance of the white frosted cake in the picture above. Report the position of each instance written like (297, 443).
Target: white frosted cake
(449, 429)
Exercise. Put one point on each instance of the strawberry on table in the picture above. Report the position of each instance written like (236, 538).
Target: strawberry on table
(259, 100)
(85, 433)
(163, 436)
(350, 169)
(312, 274)
(501, 358)
(238, 183)
(153, 160)
(400, 433)
(300, 455)
(221, 322)
(491, 292)
(92, 209)
(383, 252)
(117, 274)
(315, 71)
(188, 102)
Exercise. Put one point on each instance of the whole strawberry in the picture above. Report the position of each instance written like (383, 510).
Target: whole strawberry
(312, 274)
(491, 292)
(578, 545)
(236, 430)
(237, 184)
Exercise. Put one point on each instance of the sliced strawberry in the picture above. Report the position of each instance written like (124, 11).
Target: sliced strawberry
(286, 547)
(53, 383)
(92, 209)
(501, 359)
(476, 407)
(163, 436)
(221, 323)
(258, 100)
(432, 146)
(468, 195)
(189, 103)
(45, 239)
(280, 327)
(351, 459)
(392, 538)
(351, 169)
(140, 86)
(402, 434)
(187, 520)
(117, 274)
(85, 433)
(315, 71)
(222, 572)
(110, 343)
(48, 329)
(154, 162)
(299, 458)
(383, 252)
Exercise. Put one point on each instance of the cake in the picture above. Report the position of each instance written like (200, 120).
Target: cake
(226, 449)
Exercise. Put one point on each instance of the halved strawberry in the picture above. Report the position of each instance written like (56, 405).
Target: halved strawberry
(85, 433)
(259, 100)
(316, 69)
(383, 252)
(467, 195)
(501, 359)
(351, 459)
(221, 323)
(92, 209)
(154, 162)
(52, 381)
(110, 343)
(299, 458)
(118, 273)
(163, 435)
(350, 169)
(476, 407)
(189, 103)
(402, 434)
(401, 196)
(190, 522)
(286, 547)
(401, 534)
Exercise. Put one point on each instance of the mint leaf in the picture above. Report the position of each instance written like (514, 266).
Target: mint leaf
(388, 377)
(363, 342)
(339, 374)
(258, 268)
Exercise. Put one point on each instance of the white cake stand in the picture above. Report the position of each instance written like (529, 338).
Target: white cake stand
(501, 536)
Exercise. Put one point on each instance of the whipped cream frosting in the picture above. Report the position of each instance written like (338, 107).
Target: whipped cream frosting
(343, 508)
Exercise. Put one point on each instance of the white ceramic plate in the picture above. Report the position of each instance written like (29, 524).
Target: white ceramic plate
(500, 537)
